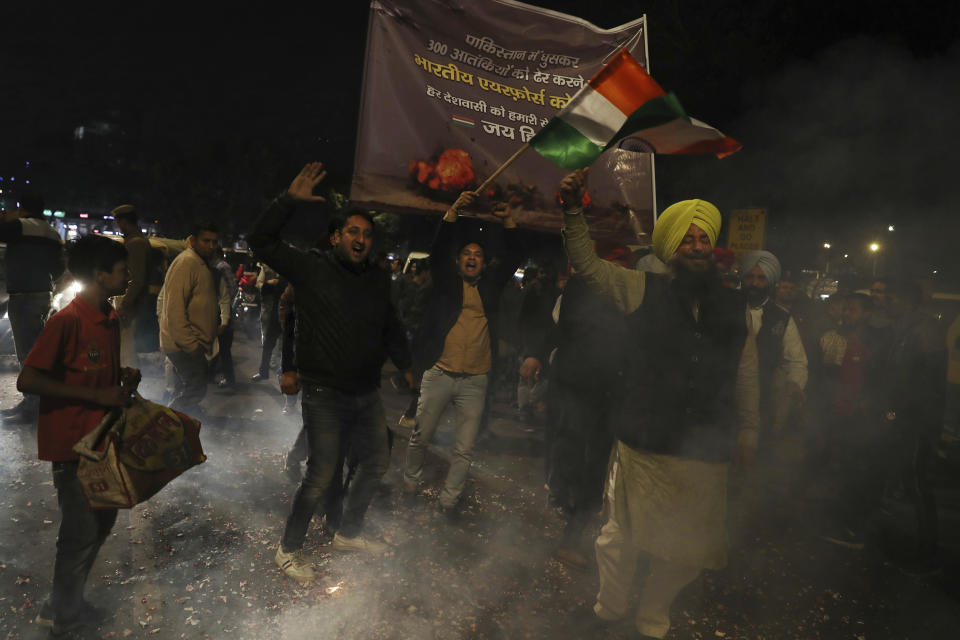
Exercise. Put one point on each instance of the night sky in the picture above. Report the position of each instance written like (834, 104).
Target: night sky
(847, 111)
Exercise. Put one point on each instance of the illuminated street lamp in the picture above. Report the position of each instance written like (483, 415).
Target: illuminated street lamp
(874, 249)
(890, 228)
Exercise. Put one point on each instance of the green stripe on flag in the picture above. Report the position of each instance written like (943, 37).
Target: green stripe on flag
(562, 144)
(651, 113)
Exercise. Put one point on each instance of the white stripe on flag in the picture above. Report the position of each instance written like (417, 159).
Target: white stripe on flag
(594, 116)
(677, 134)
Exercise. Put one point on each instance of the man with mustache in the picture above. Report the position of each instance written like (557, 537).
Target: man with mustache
(689, 377)
(783, 360)
(345, 328)
(455, 346)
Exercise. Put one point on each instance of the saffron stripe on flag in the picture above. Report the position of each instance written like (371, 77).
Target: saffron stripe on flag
(463, 122)
(625, 83)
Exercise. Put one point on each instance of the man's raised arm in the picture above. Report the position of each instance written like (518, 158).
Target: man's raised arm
(265, 240)
(623, 285)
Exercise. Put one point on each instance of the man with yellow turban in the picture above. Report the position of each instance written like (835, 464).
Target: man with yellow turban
(688, 407)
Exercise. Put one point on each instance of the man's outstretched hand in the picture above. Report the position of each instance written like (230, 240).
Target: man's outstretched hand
(301, 189)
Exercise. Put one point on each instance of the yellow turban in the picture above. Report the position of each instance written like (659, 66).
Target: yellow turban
(674, 222)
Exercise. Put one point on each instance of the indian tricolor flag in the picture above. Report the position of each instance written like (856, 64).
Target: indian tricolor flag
(623, 103)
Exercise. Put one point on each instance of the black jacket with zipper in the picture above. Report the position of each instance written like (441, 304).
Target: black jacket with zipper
(345, 323)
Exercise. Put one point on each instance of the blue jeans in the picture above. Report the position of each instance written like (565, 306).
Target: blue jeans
(336, 421)
(438, 389)
(82, 533)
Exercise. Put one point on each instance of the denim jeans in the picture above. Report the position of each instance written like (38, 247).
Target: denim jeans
(189, 382)
(336, 421)
(437, 390)
(82, 533)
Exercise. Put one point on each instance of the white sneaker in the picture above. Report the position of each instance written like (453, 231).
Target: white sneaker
(359, 543)
(407, 423)
(295, 566)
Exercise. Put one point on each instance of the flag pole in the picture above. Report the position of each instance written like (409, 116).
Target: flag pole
(502, 168)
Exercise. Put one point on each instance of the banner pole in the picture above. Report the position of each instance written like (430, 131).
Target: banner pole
(509, 161)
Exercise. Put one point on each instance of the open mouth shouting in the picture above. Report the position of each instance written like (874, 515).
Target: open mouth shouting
(358, 251)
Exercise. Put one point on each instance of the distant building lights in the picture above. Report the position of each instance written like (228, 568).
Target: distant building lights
(826, 245)
(108, 217)
(890, 228)
(47, 212)
(59, 214)
(846, 255)
(84, 215)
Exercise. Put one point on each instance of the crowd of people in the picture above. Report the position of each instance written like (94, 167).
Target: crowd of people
(655, 381)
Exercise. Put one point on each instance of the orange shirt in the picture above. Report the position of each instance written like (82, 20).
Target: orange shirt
(79, 345)
(467, 345)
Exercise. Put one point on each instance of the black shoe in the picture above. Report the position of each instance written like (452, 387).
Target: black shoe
(88, 616)
(259, 377)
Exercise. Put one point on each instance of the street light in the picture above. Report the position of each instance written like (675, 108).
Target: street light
(874, 248)
(890, 228)
(826, 245)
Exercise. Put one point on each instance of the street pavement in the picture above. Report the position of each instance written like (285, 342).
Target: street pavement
(196, 560)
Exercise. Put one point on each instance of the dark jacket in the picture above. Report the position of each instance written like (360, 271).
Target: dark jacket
(446, 300)
(592, 341)
(770, 342)
(680, 387)
(913, 373)
(345, 323)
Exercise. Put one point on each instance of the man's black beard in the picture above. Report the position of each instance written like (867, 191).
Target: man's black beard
(695, 284)
(756, 295)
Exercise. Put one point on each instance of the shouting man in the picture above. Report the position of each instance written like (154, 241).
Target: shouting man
(456, 344)
(345, 327)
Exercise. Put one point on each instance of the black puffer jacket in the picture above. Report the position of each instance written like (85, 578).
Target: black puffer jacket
(346, 325)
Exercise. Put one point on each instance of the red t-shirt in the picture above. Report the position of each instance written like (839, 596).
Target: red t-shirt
(79, 345)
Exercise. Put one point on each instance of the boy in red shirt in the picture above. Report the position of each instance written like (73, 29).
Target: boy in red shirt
(74, 367)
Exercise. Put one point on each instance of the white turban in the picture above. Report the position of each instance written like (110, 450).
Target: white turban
(768, 264)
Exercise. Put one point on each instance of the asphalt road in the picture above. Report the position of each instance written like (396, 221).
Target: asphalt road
(196, 561)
